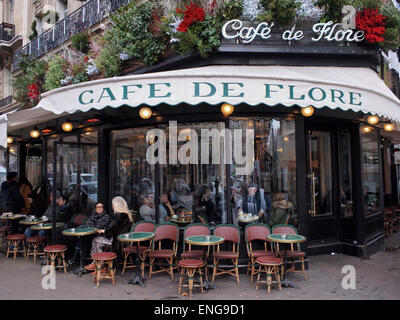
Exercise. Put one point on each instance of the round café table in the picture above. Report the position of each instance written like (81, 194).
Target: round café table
(32, 222)
(13, 220)
(136, 237)
(291, 239)
(80, 232)
(205, 241)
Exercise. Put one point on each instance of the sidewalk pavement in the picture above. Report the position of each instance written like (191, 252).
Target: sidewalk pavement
(376, 278)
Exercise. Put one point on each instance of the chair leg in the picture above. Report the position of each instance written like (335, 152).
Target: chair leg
(63, 262)
(201, 280)
(258, 277)
(214, 269)
(171, 269)
(269, 278)
(236, 262)
(180, 280)
(278, 278)
(303, 268)
(151, 267)
(28, 252)
(8, 248)
(110, 264)
(126, 254)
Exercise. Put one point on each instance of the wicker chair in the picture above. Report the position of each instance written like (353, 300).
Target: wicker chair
(231, 234)
(164, 231)
(194, 229)
(141, 226)
(291, 254)
(256, 232)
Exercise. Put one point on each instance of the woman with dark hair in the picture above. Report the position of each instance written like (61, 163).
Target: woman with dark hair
(100, 220)
(25, 189)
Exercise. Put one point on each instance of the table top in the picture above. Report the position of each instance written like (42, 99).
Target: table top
(32, 222)
(286, 238)
(84, 231)
(14, 217)
(136, 236)
(181, 221)
(202, 240)
(47, 226)
(248, 219)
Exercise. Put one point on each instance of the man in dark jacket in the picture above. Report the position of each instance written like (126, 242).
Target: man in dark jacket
(11, 199)
(65, 211)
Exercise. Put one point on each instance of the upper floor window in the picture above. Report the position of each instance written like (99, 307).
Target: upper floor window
(11, 11)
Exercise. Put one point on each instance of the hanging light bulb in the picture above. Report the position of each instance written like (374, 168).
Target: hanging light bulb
(10, 140)
(373, 120)
(367, 129)
(227, 109)
(145, 113)
(388, 127)
(308, 111)
(34, 133)
(67, 126)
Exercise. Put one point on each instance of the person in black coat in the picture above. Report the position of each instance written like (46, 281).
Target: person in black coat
(11, 199)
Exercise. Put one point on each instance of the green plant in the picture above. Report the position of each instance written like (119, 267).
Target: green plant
(281, 12)
(34, 33)
(80, 77)
(55, 73)
(137, 32)
(81, 42)
(232, 10)
(202, 36)
(108, 61)
(31, 72)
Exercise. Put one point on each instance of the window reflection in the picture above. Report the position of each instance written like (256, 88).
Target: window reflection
(268, 195)
(370, 170)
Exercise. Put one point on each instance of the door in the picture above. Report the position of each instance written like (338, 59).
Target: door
(76, 174)
(321, 184)
(330, 184)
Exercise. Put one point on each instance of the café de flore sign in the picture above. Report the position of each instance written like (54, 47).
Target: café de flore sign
(329, 31)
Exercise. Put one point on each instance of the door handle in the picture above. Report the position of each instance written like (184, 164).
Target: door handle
(312, 211)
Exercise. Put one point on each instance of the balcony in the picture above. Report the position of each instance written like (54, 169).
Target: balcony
(7, 31)
(89, 14)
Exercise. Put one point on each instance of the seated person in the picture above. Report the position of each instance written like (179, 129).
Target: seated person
(100, 220)
(166, 210)
(146, 211)
(281, 210)
(252, 201)
(65, 211)
(206, 204)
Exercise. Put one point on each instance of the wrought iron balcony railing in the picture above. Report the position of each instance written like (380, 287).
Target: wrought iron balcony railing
(7, 31)
(85, 17)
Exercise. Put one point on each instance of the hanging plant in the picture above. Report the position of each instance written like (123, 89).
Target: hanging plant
(373, 25)
(81, 42)
(55, 73)
(195, 30)
(280, 12)
(29, 83)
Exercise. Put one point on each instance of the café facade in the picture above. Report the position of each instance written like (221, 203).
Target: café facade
(303, 101)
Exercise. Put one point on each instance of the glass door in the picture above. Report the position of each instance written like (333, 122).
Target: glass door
(321, 184)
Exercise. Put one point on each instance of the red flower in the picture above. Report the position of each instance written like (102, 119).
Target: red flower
(192, 14)
(33, 91)
(86, 59)
(372, 23)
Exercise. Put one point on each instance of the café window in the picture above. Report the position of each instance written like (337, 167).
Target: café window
(268, 193)
(370, 169)
(195, 189)
(33, 164)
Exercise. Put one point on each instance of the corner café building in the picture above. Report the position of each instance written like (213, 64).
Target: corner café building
(334, 167)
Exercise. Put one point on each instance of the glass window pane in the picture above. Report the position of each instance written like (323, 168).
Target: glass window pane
(33, 164)
(13, 158)
(345, 171)
(3, 165)
(370, 170)
(270, 190)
